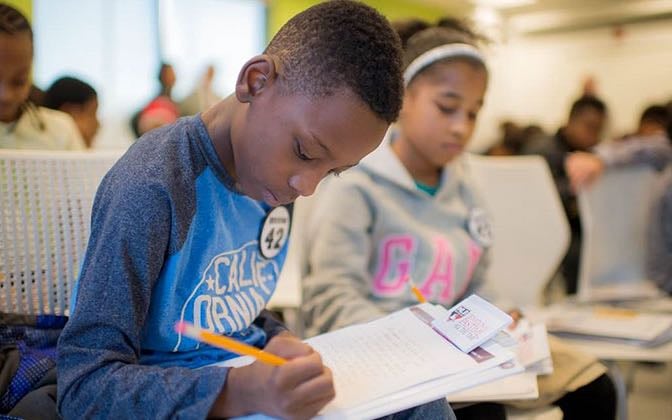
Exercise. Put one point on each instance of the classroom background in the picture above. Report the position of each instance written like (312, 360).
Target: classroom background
(543, 54)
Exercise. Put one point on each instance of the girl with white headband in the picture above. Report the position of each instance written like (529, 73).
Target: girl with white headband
(409, 213)
(406, 210)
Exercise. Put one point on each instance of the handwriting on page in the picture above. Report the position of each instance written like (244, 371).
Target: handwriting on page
(385, 354)
(385, 357)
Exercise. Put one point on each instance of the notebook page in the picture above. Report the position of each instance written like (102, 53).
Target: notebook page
(385, 356)
(433, 389)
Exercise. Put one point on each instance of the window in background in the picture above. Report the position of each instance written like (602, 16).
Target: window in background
(117, 46)
(199, 33)
(111, 44)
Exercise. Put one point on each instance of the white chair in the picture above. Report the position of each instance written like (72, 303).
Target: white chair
(530, 229)
(287, 297)
(531, 236)
(530, 232)
(614, 218)
(45, 212)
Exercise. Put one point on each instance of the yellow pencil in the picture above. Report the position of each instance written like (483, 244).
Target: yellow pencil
(418, 294)
(227, 343)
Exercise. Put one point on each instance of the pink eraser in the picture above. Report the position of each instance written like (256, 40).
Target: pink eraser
(181, 327)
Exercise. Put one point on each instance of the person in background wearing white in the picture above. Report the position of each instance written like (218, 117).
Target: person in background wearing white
(24, 125)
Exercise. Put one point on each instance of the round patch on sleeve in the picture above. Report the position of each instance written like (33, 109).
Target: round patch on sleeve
(480, 227)
(275, 232)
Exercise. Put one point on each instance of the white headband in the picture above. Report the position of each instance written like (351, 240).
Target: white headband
(439, 53)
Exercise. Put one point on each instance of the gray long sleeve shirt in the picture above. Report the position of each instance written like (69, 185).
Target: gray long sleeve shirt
(170, 241)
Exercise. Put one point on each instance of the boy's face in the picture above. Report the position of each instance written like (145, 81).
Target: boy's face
(285, 143)
(584, 129)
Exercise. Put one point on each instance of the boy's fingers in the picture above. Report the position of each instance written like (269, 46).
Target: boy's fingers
(300, 370)
(316, 389)
(288, 347)
(309, 397)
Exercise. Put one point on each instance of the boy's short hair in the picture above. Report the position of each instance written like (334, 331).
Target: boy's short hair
(587, 102)
(68, 90)
(342, 44)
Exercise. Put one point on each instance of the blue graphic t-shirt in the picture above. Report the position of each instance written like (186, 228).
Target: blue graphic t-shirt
(171, 240)
(195, 232)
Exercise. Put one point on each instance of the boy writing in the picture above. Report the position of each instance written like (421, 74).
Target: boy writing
(176, 229)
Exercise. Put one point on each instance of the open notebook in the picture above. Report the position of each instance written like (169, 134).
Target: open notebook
(401, 361)
(530, 344)
(611, 324)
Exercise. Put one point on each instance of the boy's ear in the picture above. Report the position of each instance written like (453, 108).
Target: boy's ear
(258, 74)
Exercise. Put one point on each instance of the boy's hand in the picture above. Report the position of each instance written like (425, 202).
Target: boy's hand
(583, 169)
(296, 390)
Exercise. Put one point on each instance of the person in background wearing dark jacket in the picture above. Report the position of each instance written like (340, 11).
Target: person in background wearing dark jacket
(582, 132)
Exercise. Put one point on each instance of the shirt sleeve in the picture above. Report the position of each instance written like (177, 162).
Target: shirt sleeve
(271, 325)
(64, 131)
(99, 374)
(653, 151)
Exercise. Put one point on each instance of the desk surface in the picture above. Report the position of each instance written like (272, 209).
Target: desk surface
(605, 350)
(613, 351)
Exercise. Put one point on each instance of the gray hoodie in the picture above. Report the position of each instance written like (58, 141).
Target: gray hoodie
(373, 227)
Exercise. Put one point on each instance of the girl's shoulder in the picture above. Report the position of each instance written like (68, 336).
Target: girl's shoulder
(61, 129)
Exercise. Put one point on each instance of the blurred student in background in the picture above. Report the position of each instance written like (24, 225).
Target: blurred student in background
(583, 131)
(655, 151)
(203, 96)
(514, 138)
(161, 110)
(24, 125)
(653, 122)
(78, 99)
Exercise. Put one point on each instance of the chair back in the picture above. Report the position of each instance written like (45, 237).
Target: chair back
(45, 212)
(614, 219)
(530, 229)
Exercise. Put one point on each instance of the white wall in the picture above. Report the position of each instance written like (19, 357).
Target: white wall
(536, 78)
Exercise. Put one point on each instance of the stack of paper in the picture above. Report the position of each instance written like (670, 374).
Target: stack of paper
(612, 324)
(529, 342)
(408, 358)
(659, 304)
(532, 347)
(621, 292)
(405, 359)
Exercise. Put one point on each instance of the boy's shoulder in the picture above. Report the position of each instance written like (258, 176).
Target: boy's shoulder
(164, 154)
(161, 167)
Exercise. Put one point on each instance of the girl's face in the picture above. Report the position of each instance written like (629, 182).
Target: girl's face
(16, 56)
(440, 109)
